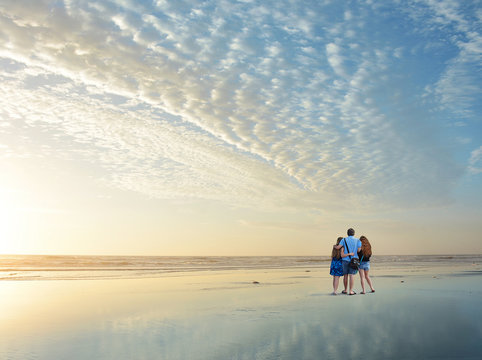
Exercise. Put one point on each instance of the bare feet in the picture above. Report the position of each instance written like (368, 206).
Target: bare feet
(373, 290)
(362, 292)
(353, 293)
(334, 293)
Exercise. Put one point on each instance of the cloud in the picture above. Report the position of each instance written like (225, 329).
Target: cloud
(285, 225)
(475, 161)
(457, 26)
(335, 58)
(226, 101)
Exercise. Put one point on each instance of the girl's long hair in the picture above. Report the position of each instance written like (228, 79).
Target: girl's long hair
(366, 248)
(336, 253)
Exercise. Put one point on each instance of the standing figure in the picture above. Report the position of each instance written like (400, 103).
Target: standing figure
(364, 255)
(351, 245)
(336, 267)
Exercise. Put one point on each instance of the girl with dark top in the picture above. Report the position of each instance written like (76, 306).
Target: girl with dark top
(336, 267)
(364, 255)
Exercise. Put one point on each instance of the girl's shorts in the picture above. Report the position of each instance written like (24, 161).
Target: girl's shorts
(364, 265)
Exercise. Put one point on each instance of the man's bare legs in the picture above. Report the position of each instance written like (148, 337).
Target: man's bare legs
(345, 282)
(351, 285)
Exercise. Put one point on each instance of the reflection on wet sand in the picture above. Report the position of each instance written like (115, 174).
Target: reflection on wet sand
(224, 315)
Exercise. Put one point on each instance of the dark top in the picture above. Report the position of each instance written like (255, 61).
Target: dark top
(365, 258)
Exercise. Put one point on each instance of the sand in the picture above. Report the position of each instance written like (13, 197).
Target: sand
(415, 313)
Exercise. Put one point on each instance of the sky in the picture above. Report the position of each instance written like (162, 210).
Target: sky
(240, 127)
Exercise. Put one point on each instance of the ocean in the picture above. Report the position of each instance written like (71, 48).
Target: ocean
(242, 308)
(78, 267)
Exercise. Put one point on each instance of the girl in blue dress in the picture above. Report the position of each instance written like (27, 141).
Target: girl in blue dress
(336, 267)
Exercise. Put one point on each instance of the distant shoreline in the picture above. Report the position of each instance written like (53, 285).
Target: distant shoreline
(83, 267)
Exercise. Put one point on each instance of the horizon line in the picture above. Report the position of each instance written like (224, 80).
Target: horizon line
(316, 255)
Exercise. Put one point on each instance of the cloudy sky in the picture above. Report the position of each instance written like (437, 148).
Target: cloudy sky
(240, 127)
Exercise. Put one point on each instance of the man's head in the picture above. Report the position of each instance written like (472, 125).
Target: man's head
(350, 232)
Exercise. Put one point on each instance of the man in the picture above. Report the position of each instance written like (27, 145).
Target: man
(351, 245)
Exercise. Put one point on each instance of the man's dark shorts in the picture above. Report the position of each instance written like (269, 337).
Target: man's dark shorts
(347, 269)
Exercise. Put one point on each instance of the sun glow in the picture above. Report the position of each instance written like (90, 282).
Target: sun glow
(9, 220)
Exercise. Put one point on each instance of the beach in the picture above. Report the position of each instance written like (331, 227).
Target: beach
(270, 309)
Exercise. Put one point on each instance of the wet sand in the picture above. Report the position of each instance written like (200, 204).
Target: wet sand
(424, 312)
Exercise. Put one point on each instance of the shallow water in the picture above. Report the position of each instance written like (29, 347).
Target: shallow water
(434, 313)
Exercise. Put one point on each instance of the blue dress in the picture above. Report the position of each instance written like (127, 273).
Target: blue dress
(336, 267)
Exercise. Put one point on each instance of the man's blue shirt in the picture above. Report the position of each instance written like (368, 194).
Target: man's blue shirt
(353, 244)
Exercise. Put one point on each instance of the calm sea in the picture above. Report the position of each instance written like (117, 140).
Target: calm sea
(210, 308)
(54, 267)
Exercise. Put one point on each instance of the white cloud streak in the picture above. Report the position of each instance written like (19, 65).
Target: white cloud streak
(476, 161)
(458, 87)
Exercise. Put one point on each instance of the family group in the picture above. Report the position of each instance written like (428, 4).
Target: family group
(350, 256)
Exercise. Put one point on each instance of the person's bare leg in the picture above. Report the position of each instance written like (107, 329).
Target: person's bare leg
(362, 280)
(345, 282)
(369, 280)
(336, 281)
(351, 284)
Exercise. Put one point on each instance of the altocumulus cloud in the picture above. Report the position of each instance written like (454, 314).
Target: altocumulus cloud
(248, 102)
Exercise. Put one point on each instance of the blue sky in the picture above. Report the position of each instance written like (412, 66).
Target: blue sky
(271, 114)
